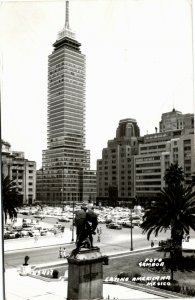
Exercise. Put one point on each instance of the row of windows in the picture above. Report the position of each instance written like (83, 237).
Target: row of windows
(21, 190)
(146, 171)
(147, 189)
(148, 158)
(147, 165)
(144, 183)
(148, 177)
(14, 171)
(152, 147)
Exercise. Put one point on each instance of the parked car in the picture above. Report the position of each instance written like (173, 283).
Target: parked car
(114, 226)
(34, 232)
(43, 232)
(6, 235)
(128, 225)
(137, 221)
(63, 219)
(25, 233)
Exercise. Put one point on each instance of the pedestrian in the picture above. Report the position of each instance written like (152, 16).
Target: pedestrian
(36, 238)
(60, 252)
(64, 253)
(98, 238)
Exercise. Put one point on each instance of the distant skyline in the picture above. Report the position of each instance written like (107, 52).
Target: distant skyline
(138, 65)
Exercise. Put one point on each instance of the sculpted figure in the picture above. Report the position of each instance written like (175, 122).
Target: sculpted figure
(86, 224)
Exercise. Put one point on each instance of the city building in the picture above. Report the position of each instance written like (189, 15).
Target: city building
(173, 144)
(115, 170)
(21, 170)
(176, 120)
(65, 160)
(89, 186)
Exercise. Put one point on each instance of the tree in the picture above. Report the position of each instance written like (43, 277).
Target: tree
(11, 198)
(113, 196)
(174, 210)
(174, 176)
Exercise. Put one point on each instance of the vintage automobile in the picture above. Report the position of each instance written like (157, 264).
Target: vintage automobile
(128, 225)
(113, 225)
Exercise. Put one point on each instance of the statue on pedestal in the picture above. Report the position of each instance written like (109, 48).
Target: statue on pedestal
(86, 223)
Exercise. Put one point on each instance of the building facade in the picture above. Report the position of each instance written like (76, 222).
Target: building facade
(22, 171)
(176, 120)
(115, 170)
(174, 144)
(65, 160)
(131, 170)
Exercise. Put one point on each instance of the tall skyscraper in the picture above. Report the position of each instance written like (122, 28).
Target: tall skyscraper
(66, 158)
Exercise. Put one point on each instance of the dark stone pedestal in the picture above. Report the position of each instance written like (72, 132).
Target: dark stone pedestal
(85, 275)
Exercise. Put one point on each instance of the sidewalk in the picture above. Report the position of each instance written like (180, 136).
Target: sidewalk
(19, 287)
(28, 288)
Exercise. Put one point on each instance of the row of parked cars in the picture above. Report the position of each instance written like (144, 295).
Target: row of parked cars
(121, 224)
(28, 228)
(29, 231)
(117, 218)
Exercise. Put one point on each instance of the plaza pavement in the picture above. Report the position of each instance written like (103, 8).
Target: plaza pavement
(19, 287)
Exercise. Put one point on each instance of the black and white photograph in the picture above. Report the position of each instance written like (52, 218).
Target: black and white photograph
(97, 149)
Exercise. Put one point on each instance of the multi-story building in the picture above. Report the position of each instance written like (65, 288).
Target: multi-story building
(115, 170)
(176, 120)
(65, 160)
(173, 144)
(21, 170)
(89, 186)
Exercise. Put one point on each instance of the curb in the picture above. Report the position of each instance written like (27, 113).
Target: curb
(36, 247)
(111, 256)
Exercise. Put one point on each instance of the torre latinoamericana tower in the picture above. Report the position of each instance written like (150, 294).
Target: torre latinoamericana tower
(65, 159)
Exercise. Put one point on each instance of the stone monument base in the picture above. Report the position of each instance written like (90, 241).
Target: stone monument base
(85, 274)
(25, 270)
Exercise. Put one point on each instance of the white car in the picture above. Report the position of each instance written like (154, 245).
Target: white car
(35, 232)
(43, 232)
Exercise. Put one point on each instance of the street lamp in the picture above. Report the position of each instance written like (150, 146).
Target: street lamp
(73, 219)
(131, 218)
(62, 189)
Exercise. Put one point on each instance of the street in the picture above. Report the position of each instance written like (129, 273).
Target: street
(112, 241)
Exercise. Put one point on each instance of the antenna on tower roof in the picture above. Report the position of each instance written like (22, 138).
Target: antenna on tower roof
(66, 31)
(67, 15)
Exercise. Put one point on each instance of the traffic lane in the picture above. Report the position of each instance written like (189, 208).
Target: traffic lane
(36, 256)
(124, 234)
(112, 241)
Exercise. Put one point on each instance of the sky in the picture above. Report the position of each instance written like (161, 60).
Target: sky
(138, 65)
